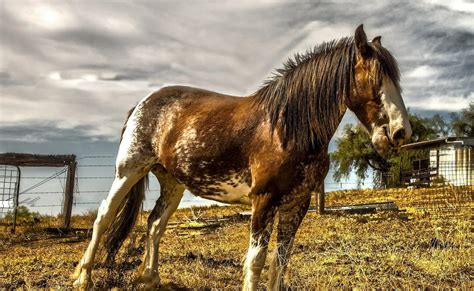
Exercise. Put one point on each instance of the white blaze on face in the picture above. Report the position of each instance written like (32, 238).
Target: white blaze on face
(395, 107)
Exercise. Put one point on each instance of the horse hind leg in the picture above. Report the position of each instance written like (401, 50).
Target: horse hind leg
(170, 195)
(127, 176)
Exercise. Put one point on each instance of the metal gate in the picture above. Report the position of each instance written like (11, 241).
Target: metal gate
(9, 192)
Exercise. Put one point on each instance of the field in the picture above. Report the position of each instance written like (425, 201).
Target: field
(421, 246)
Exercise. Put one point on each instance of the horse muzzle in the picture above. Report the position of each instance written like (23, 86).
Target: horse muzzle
(387, 140)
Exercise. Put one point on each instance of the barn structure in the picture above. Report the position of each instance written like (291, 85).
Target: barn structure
(447, 161)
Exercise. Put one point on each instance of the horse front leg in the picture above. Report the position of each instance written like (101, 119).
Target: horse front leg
(291, 214)
(263, 213)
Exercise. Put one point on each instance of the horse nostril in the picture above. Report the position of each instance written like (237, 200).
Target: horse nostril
(399, 134)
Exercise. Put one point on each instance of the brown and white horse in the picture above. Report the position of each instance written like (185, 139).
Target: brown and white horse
(268, 150)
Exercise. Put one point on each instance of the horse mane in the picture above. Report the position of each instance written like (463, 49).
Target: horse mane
(307, 95)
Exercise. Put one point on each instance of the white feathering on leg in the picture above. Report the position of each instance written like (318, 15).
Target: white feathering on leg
(250, 278)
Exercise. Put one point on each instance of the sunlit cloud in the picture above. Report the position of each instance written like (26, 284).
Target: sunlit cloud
(422, 72)
(456, 5)
(443, 103)
(45, 16)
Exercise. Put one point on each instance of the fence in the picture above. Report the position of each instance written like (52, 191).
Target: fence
(42, 190)
(436, 177)
(9, 192)
(425, 174)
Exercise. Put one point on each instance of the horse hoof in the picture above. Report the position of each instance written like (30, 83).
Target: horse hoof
(150, 279)
(155, 284)
(82, 284)
(150, 283)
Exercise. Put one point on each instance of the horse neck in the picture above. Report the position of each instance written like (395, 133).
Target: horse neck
(327, 126)
(341, 111)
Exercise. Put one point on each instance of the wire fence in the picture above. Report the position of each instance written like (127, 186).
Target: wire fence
(42, 189)
(442, 187)
(428, 174)
(9, 182)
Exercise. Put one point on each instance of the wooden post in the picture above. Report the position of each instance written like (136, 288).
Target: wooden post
(400, 170)
(321, 198)
(17, 195)
(437, 163)
(69, 193)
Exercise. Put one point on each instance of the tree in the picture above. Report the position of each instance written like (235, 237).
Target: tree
(355, 152)
(462, 123)
(437, 124)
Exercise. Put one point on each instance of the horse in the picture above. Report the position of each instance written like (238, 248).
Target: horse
(268, 150)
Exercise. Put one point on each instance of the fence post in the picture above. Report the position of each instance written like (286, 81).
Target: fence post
(69, 193)
(16, 201)
(321, 198)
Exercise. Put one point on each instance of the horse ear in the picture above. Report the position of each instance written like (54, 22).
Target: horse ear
(377, 40)
(361, 41)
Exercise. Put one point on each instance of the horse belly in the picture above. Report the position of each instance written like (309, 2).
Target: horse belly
(231, 190)
(227, 189)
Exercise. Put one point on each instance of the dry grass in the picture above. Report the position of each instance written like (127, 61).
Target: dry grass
(408, 249)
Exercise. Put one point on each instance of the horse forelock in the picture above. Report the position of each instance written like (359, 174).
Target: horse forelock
(386, 65)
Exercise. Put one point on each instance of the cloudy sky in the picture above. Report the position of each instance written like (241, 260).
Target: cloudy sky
(70, 70)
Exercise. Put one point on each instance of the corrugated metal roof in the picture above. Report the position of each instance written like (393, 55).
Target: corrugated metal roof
(466, 141)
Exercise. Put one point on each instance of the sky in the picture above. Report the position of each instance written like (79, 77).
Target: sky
(70, 70)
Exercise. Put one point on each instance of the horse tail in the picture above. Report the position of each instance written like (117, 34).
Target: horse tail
(126, 214)
(125, 219)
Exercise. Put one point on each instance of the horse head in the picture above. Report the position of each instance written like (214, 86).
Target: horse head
(376, 96)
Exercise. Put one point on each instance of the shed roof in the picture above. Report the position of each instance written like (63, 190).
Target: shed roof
(464, 141)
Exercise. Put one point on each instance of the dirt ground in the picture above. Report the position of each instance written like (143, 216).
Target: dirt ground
(417, 247)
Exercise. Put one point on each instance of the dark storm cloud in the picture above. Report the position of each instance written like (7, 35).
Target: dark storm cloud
(6, 79)
(40, 132)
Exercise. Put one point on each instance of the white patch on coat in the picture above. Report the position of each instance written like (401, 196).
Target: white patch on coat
(183, 146)
(230, 190)
(167, 116)
(130, 141)
(234, 187)
(395, 107)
